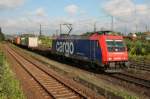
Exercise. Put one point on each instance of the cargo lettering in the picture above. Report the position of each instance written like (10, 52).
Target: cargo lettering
(65, 47)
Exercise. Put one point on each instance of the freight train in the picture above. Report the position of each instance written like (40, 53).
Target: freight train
(103, 50)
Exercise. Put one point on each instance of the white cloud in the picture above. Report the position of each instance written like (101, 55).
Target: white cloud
(142, 9)
(40, 12)
(7, 4)
(72, 9)
(128, 12)
(119, 8)
(29, 22)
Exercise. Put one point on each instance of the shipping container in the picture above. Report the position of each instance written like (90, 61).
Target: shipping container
(24, 41)
(17, 40)
(29, 41)
(32, 41)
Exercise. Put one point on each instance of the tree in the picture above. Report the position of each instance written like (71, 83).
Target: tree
(1, 35)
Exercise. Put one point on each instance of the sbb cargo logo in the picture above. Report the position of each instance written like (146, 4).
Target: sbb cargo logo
(65, 47)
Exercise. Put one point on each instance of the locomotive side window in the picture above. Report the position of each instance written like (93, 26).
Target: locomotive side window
(115, 45)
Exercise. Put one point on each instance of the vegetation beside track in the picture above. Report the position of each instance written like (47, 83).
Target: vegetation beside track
(45, 41)
(138, 49)
(1, 35)
(139, 53)
(9, 86)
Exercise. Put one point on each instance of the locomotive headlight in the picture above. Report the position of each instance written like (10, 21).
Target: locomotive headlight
(116, 50)
(124, 58)
(109, 58)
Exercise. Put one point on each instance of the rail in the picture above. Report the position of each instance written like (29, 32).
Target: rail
(140, 64)
(132, 79)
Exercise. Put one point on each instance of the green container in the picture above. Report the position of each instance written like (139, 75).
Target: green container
(24, 41)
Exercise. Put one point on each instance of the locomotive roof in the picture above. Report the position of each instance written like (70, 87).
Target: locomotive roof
(98, 32)
(73, 37)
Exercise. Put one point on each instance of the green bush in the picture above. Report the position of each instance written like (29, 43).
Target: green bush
(138, 47)
(45, 41)
(1, 37)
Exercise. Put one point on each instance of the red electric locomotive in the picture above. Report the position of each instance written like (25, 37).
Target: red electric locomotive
(104, 50)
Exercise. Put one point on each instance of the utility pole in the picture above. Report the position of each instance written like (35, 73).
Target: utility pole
(0, 30)
(57, 32)
(95, 27)
(146, 28)
(136, 26)
(125, 30)
(112, 23)
(135, 13)
(60, 29)
(40, 30)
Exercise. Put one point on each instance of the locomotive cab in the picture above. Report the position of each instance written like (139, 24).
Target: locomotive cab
(114, 51)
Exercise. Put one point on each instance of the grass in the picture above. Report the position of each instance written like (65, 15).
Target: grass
(9, 86)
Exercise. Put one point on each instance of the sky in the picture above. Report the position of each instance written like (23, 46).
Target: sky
(25, 16)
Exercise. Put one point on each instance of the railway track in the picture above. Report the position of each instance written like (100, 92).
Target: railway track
(132, 79)
(140, 65)
(55, 86)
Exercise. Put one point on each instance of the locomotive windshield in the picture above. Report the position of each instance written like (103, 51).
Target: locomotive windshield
(115, 45)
